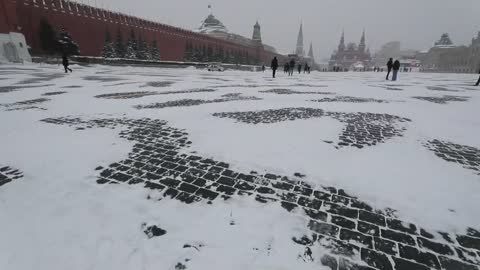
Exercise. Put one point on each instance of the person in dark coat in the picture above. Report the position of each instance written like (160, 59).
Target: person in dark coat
(396, 68)
(65, 63)
(299, 68)
(389, 67)
(274, 65)
(478, 82)
(291, 67)
(263, 68)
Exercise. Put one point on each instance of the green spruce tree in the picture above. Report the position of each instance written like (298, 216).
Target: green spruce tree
(204, 54)
(210, 55)
(132, 47)
(221, 55)
(109, 47)
(148, 51)
(226, 57)
(119, 46)
(197, 54)
(188, 53)
(154, 51)
(236, 57)
(141, 52)
(66, 44)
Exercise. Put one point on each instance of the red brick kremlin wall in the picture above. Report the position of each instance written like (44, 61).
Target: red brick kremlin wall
(8, 16)
(88, 25)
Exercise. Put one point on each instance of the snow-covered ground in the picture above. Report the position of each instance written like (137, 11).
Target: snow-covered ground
(362, 152)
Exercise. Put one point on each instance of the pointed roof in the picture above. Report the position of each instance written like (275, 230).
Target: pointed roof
(257, 35)
(362, 44)
(310, 52)
(299, 50)
(444, 41)
(341, 45)
(362, 39)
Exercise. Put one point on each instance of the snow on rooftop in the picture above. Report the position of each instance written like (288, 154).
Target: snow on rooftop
(210, 25)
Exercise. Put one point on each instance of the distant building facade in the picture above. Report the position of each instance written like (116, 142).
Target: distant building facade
(213, 27)
(393, 50)
(351, 56)
(444, 56)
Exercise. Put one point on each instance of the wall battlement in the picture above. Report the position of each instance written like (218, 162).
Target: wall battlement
(90, 12)
(89, 25)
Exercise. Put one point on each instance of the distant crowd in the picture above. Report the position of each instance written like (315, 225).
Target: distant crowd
(289, 68)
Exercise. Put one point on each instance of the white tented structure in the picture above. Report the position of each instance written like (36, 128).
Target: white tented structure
(13, 48)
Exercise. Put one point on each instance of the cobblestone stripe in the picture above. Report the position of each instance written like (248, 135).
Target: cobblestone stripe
(361, 130)
(9, 174)
(349, 99)
(349, 228)
(444, 99)
(196, 102)
(466, 156)
(139, 94)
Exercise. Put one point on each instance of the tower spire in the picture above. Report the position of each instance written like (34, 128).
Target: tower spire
(299, 50)
(310, 52)
(362, 45)
(341, 45)
(257, 36)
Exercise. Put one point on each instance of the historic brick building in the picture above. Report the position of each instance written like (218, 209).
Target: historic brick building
(351, 57)
(444, 56)
(89, 27)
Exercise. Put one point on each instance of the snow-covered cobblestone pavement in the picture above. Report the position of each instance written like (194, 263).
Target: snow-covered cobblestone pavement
(145, 168)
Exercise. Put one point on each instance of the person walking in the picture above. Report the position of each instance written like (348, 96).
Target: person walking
(285, 67)
(396, 68)
(389, 67)
(263, 68)
(65, 63)
(291, 67)
(478, 82)
(299, 68)
(274, 66)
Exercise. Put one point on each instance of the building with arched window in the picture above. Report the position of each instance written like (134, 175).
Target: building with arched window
(351, 56)
(444, 56)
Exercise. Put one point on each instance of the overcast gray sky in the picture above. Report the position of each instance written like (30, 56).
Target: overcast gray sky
(416, 23)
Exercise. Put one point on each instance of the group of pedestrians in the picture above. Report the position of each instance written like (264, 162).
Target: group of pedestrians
(395, 66)
(289, 67)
